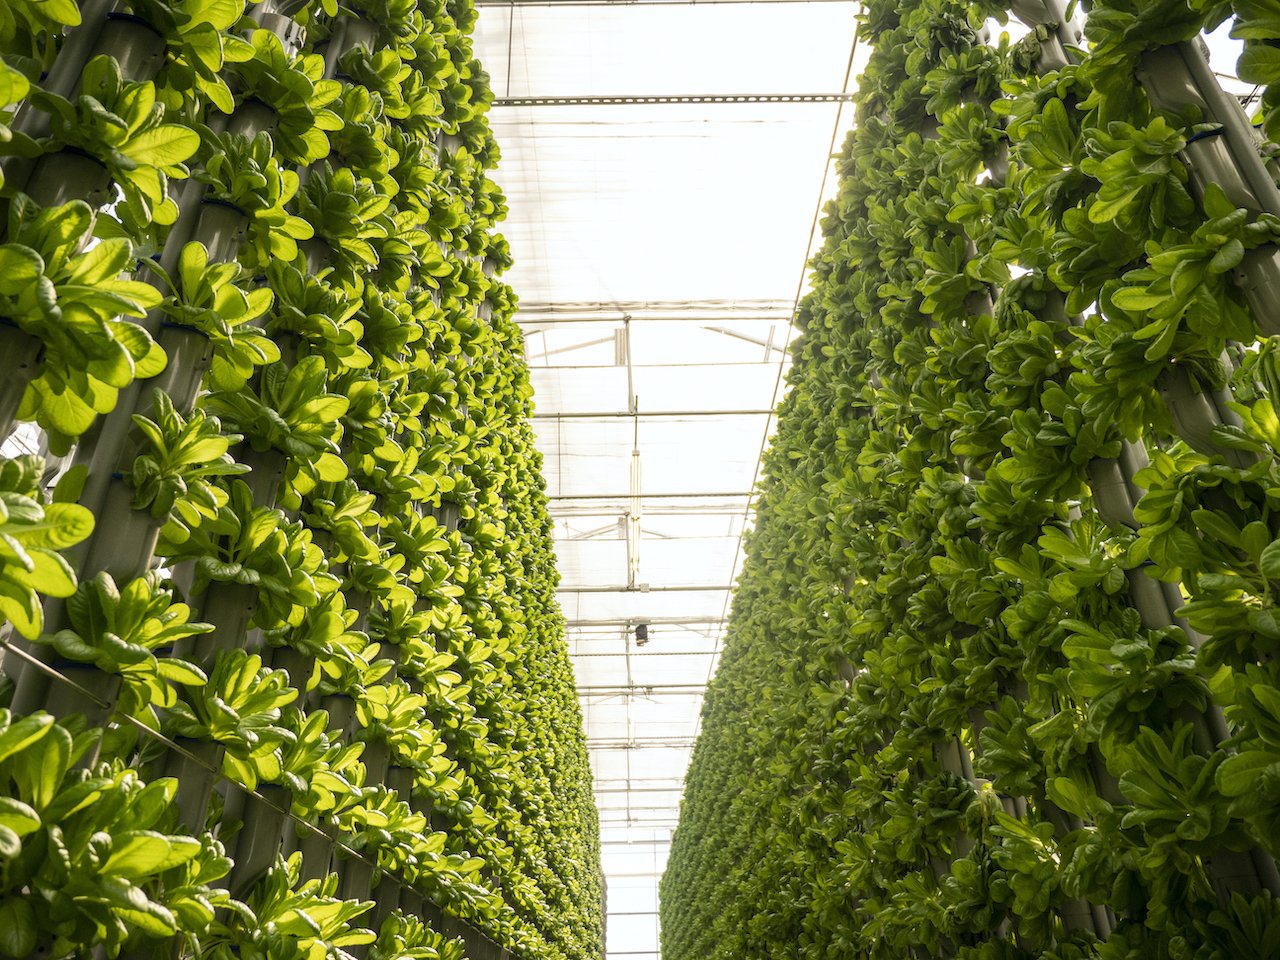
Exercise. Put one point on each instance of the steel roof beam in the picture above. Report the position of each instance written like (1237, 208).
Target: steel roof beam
(682, 588)
(678, 789)
(640, 688)
(648, 496)
(652, 621)
(639, 3)
(656, 653)
(656, 744)
(644, 414)
(587, 100)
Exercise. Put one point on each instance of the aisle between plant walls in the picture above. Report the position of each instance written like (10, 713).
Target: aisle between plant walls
(284, 675)
(1000, 677)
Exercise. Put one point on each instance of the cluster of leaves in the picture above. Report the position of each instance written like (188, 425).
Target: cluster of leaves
(947, 721)
(352, 582)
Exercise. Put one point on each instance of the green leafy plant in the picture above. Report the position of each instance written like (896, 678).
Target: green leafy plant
(199, 44)
(14, 88)
(293, 413)
(253, 546)
(405, 937)
(120, 124)
(245, 173)
(82, 854)
(207, 298)
(182, 454)
(324, 775)
(348, 213)
(294, 89)
(31, 534)
(119, 632)
(30, 28)
(288, 917)
(76, 303)
(239, 708)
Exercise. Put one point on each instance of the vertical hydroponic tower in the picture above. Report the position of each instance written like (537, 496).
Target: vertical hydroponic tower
(285, 675)
(1001, 676)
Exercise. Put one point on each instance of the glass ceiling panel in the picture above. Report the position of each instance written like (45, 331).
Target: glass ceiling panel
(622, 861)
(582, 560)
(669, 728)
(701, 561)
(683, 561)
(706, 454)
(709, 504)
(599, 525)
(631, 932)
(659, 389)
(640, 606)
(702, 166)
(648, 668)
(669, 799)
(659, 762)
(708, 49)
(636, 894)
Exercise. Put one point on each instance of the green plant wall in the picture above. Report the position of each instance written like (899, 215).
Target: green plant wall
(1000, 675)
(284, 672)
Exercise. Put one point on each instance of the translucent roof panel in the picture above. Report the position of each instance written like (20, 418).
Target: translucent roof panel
(712, 453)
(701, 192)
(639, 670)
(659, 250)
(659, 389)
(697, 633)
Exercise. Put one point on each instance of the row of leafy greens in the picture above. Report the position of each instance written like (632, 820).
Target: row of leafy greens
(1000, 676)
(286, 676)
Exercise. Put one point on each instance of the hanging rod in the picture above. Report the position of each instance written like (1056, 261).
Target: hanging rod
(640, 743)
(706, 98)
(633, 307)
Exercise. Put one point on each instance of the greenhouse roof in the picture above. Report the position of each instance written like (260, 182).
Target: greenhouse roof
(660, 249)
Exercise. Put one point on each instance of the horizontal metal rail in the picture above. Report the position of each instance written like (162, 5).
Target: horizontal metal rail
(642, 654)
(652, 621)
(643, 3)
(648, 496)
(656, 743)
(675, 789)
(646, 414)
(602, 100)
(623, 588)
(640, 687)
(554, 319)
